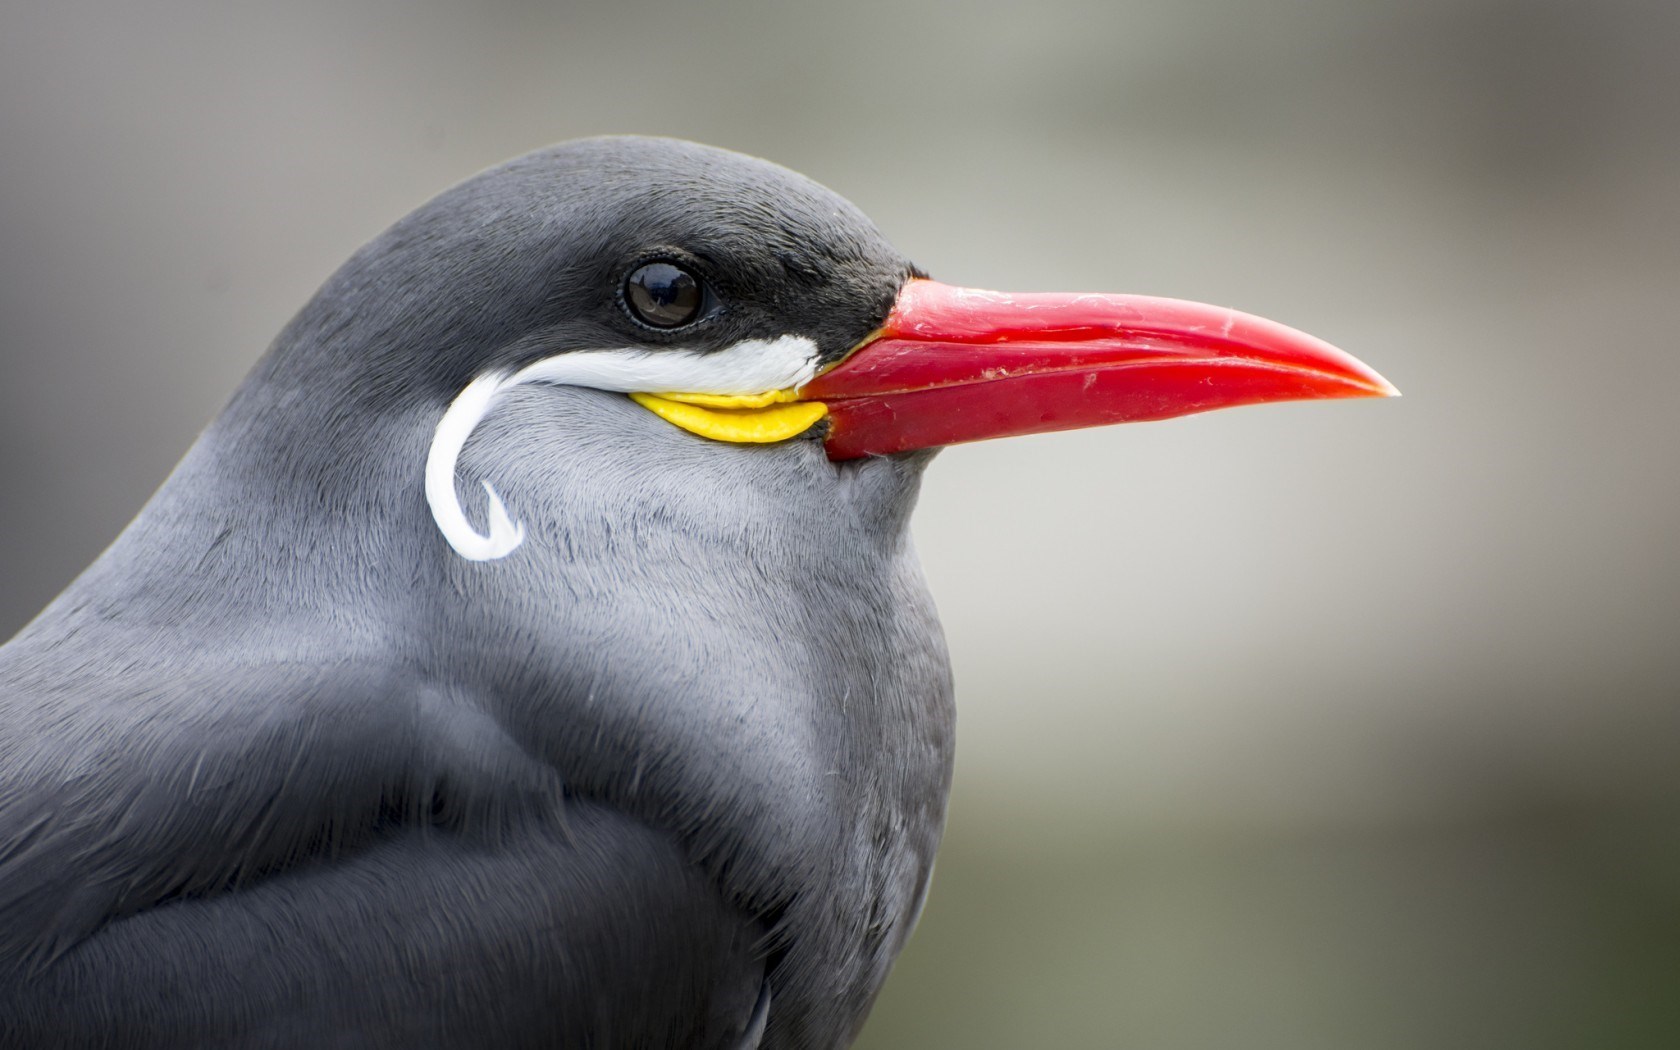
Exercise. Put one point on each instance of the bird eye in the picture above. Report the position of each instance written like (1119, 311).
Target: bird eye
(664, 295)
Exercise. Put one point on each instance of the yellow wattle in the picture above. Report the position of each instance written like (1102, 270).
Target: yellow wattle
(742, 418)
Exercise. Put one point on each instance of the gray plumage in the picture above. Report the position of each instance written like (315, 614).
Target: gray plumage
(281, 769)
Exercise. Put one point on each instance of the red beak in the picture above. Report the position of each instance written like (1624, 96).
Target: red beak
(956, 364)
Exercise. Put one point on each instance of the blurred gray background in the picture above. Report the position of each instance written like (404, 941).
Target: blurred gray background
(1347, 725)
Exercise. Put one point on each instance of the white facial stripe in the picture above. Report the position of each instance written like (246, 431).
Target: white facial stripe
(749, 367)
(752, 366)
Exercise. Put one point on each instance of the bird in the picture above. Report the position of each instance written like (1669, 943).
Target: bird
(533, 652)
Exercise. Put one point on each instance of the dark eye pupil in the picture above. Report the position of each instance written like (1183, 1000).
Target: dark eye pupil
(663, 295)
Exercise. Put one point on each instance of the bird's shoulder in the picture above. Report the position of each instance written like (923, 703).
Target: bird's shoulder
(594, 931)
(128, 781)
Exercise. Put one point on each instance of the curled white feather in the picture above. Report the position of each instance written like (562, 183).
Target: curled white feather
(470, 406)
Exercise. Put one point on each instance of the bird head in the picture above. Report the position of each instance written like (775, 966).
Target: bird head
(749, 306)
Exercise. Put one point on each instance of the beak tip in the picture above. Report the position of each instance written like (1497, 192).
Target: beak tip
(1367, 380)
